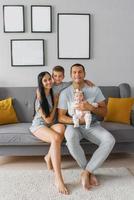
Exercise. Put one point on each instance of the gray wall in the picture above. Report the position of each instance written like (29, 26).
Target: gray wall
(112, 42)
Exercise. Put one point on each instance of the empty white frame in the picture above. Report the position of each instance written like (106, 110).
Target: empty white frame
(41, 19)
(73, 36)
(27, 52)
(13, 18)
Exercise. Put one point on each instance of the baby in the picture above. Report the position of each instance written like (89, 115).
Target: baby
(77, 114)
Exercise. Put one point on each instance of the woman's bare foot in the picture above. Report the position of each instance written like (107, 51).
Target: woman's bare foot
(85, 180)
(61, 187)
(93, 180)
(47, 158)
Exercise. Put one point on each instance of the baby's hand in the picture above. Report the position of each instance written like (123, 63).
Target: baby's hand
(95, 105)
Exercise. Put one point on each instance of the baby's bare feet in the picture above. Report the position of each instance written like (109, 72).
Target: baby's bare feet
(61, 187)
(85, 180)
(47, 158)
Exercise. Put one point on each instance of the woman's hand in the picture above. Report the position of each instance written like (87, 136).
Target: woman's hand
(38, 94)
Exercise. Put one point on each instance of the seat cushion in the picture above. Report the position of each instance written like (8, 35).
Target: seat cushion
(121, 132)
(17, 134)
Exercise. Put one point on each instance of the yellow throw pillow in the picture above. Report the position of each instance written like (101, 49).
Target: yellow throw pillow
(7, 112)
(119, 110)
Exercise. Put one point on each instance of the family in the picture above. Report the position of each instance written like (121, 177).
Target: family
(56, 117)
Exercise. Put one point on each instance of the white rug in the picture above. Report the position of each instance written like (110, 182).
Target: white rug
(116, 184)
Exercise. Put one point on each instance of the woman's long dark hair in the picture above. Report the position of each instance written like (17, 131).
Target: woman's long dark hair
(43, 101)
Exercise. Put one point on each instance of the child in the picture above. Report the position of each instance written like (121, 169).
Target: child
(77, 114)
(58, 76)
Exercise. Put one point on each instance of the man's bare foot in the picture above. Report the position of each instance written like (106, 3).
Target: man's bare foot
(61, 187)
(85, 179)
(93, 180)
(47, 158)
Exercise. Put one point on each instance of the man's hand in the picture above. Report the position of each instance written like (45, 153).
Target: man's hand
(101, 110)
(84, 106)
(82, 121)
(89, 83)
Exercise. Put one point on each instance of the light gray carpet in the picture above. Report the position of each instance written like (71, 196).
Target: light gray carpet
(116, 184)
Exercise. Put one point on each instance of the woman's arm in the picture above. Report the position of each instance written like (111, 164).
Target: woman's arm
(38, 94)
(50, 118)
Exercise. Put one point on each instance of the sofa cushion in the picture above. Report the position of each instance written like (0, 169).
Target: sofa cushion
(119, 110)
(17, 134)
(110, 91)
(23, 101)
(7, 112)
(121, 132)
(132, 117)
(125, 90)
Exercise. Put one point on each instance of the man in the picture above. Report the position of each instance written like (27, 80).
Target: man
(95, 134)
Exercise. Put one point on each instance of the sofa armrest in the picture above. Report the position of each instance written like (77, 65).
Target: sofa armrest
(132, 117)
(125, 90)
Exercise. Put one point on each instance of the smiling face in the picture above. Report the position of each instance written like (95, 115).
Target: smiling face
(57, 77)
(77, 74)
(78, 96)
(47, 81)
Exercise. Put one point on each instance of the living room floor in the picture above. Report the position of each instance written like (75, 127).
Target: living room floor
(37, 162)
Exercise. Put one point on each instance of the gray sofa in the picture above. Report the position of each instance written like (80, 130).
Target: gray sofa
(16, 139)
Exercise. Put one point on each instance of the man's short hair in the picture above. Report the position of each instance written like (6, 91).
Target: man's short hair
(59, 68)
(77, 65)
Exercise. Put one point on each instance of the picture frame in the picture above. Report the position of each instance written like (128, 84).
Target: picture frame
(13, 19)
(27, 52)
(39, 12)
(73, 38)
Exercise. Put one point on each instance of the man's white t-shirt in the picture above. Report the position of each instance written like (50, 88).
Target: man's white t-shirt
(91, 94)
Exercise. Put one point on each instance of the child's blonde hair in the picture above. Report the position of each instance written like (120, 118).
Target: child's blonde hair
(58, 68)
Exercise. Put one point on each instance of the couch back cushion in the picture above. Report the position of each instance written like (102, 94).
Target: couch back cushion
(23, 101)
(123, 90)
(110, 91)
(23, 98)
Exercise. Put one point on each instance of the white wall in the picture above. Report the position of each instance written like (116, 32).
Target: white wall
(112, 42)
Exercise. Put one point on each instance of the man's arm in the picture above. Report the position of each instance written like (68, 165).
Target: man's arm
(63, 108)
(101, 110)
(63, 118)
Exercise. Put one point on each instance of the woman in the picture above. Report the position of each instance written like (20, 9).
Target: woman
(45, 128)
